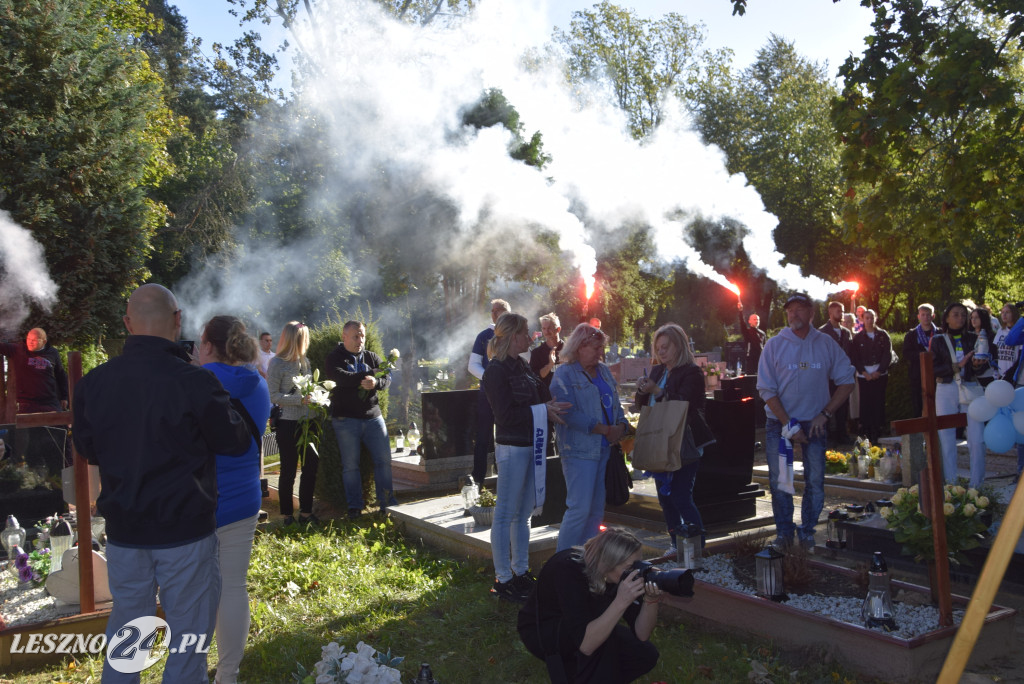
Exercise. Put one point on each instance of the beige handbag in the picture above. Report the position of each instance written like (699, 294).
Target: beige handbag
(659, 437)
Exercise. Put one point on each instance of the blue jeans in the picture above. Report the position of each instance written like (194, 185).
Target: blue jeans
(351, 434)
(584, 499)
(189, 580)
(678, 507)
(510, 531)
(814, 482)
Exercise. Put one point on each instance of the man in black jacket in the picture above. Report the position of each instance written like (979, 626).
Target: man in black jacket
(356, 417)
(833, 327)
(153, 423)
(753, 339)
(42, 382)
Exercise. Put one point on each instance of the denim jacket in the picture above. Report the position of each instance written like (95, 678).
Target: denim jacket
(572, 384)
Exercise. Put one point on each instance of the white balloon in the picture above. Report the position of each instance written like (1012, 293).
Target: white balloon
(1018, 421)
(981, 410)
(999, 393)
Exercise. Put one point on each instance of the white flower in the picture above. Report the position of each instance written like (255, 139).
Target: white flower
(947, 495)
(972, 494)
(300, 381)
(886, 512)
(394, 354)
(292, 588)
(326, 679)
(329, 384)
(896, 499)
(948, 509)
(982, 502)
(958, 490)
(969, 510)
(320, 397)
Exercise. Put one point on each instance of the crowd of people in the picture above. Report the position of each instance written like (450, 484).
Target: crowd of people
(183, 519)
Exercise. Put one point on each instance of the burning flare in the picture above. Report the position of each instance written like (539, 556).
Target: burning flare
(734, 287)
(851, 285)
(588, 283)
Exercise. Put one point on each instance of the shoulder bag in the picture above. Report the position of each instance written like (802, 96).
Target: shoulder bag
(659, 436)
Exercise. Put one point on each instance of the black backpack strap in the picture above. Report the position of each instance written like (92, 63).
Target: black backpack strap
(249, 422)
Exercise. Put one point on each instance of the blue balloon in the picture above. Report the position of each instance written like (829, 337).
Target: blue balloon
(1018, 399)
(1000, 435)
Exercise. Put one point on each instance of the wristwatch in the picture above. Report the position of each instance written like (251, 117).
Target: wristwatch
(826, 413)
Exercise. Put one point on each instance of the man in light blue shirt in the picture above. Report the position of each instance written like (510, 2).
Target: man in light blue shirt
(793, 379)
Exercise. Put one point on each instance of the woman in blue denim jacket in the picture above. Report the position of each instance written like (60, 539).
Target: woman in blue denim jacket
(593, 423)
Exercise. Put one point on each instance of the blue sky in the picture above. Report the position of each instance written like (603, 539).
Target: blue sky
(822, 30)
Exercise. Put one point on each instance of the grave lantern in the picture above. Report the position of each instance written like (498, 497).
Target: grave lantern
(836, 530)
(690, 554)
(61, 539)
(769, 572)
(877, 610)
(855, 511)
(13, 535)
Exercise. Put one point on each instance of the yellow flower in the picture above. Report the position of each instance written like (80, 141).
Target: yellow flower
(972, 494)
(982, 502)
(969, 510)
(948, 508)
(886, 512)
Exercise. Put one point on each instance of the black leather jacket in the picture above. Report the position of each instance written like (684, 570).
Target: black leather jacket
(512, 388)
(865, 351)
(943, 363)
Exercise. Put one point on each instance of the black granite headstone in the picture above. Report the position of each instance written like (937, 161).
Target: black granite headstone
(449, 423)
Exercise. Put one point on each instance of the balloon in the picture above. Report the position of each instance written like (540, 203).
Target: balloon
(1000, 434)
(1018, 399)
(981, 410)
(1018, 422)
(999, 393)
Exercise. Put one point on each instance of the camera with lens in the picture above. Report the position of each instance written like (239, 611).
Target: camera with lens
(678, 582)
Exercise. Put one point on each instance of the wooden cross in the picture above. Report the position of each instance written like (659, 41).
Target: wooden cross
(931, 484)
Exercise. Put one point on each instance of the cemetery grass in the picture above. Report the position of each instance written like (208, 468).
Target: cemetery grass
(362, 581)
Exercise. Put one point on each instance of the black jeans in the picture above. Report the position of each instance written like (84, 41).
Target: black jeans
(287, 436)
(872, 406)
(622, 658)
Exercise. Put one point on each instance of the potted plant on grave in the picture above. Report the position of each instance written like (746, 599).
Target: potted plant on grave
(483, 512)
(836, 462)
(965, 522)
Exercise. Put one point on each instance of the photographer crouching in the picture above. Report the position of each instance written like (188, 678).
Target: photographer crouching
(572, 619)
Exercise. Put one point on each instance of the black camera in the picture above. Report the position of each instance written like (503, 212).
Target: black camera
(678, 582)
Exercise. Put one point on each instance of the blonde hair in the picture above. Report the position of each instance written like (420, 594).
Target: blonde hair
(552, 319)
(583, 334)
(604, 552)
(508, 326)
(677, 335)
(294, 341)
(230, 342)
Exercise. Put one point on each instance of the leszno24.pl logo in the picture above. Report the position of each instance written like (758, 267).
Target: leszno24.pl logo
(138, 645)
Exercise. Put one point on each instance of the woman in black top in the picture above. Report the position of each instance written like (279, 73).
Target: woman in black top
(953, 351)
(513, 390)
(574, 615)
(677, 377)
(871, 354)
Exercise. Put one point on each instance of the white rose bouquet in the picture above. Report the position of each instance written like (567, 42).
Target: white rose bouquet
(363, 666)
(386, 366)
(318, 397)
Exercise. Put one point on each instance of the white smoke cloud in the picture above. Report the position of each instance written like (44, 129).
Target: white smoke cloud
(24, 277)
(393, 95)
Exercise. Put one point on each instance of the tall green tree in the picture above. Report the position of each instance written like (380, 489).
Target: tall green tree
(83, 126)
(641, 61)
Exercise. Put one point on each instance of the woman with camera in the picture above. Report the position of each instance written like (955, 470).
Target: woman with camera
(573, 620)
(593, 423)
(520, 402)
(229, 353)
(677, 377)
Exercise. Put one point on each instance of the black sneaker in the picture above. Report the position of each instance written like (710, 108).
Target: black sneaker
(304, 519)
(509, 591)
(288, 520)
(524, 583)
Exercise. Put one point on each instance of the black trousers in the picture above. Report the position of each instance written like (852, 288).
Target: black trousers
(622, 658)
(872, 406)
(287, 437)
(484, 437)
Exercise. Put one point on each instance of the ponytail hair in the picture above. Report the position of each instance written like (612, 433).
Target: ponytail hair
(230, 341)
